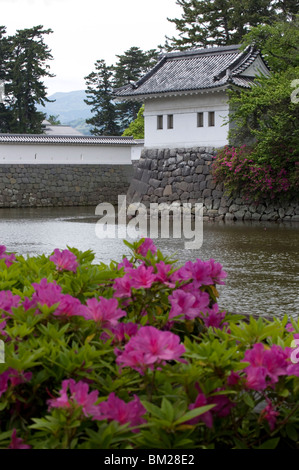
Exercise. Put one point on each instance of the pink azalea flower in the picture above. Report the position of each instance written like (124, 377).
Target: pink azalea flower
(64, 260)
(69, 306)
(162, 274)
(121, 331)
(123, 286)
(9, 259)
(216, 272)
(269, 414)
(17, 442)
(213, 317)
(79, 396)
(105, 312)
(182, 303)
(28, 303)
(4, 382)
(201, 273)
(150, 346)
(293, 369)
(15, 377)
(46, 293)
(2, 330)
(125, 264)
(266, 365)
(290, 328)
(223, 404)
(221, 410)
(142, 277)
(275, 361)
(190, 304)
(146, 246)
(8, 301)
(233, 379)
(207, 417)
(198, 272)
(115, 409)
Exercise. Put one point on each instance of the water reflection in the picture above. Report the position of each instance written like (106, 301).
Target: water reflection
(261, 258)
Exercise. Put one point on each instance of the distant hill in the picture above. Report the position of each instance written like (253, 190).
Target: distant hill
(70, 108)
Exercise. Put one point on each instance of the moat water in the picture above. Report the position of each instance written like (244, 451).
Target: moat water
(261, 259)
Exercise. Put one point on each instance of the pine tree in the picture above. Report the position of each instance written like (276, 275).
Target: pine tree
(5, 113)
(99, 88)
(131, 66)
(26, 68)
(207, 23)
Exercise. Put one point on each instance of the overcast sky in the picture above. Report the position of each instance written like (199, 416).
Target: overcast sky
(89, 30)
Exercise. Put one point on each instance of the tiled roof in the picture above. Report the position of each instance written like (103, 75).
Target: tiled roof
(64, 139)
(193, 70)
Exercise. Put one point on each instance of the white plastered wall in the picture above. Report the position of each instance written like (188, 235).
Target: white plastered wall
(185, 132)
(65, 154)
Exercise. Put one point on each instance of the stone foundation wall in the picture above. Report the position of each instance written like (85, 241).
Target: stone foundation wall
(184, 175)
(62, 185)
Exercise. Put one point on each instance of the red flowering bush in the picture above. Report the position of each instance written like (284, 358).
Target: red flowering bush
(242, 173)
(138, 354)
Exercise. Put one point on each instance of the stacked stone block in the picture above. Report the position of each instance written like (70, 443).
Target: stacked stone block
(62, 185)
(185, 175)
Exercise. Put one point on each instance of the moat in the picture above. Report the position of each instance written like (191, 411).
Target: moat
(261, 258)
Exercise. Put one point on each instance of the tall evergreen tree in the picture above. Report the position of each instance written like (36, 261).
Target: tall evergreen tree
(99, 88)
(207, 23)
(286, 9)
(5, 113)
(26, 68)
(130, 67)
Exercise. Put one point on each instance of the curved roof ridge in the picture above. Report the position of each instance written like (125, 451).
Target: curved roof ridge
(206, 50)
(193, 70)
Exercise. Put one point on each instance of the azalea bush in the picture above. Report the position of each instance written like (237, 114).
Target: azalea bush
(241, 172)
(138, 354)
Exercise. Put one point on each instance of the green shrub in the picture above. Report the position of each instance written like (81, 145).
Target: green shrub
(138, 355)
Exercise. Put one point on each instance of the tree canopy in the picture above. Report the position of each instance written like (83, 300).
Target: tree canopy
(130, 67)
(207, 23)
(136, 128)
(24, 64)
(112, 118)
(99, 97)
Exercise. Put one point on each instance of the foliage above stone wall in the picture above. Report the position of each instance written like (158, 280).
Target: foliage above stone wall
(185, 175)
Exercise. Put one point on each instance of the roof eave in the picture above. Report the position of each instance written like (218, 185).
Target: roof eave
(165, 94)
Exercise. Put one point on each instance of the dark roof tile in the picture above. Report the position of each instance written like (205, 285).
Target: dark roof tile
(193, 70)
(65, 139)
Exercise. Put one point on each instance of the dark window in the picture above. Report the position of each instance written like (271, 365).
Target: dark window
(160, 122)
(211, 119)
(199, 119)
(170, 121)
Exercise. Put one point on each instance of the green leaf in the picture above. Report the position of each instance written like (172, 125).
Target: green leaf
(194, 413)
(270, 444)
(292, 432)
(248, 400)
(167, 409)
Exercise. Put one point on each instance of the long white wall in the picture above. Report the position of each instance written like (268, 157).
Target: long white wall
(185, 132)
(63, 154)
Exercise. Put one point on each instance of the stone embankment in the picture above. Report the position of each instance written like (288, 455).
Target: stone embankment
(184, 175)
(62, 185)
